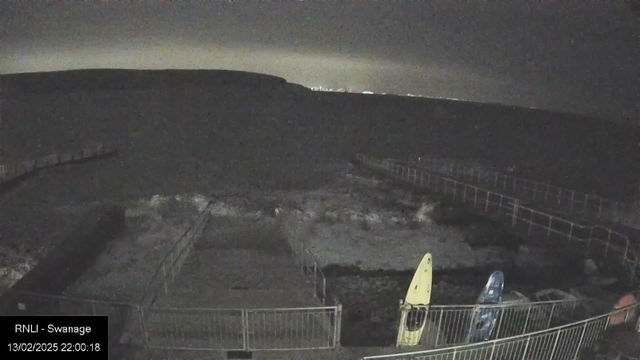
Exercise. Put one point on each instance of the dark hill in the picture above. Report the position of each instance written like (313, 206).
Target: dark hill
(92, 80)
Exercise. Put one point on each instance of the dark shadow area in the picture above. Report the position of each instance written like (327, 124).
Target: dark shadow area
(13, 183)
(68, 260)
(198, 130)
(366, 322)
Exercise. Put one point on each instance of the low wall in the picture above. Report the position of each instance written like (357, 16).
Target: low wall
(68, 261)
(13, 172)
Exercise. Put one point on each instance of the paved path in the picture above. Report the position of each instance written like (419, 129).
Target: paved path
(241, 264)
(237, 290)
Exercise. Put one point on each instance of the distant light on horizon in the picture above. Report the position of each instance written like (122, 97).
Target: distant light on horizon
(368, 92)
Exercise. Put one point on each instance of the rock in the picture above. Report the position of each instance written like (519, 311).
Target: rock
(590, 268)
(376, 318)
(603, 281)
(9, 276)
(423, 215)
(479, 234)
(535, 259)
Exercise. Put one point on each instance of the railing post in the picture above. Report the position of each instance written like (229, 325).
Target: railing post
(546, 194)
(337, 329)
(474, 312)
(514, 218)
(626, 315)
(549, 228)
(143, 324)
(502, 311)
(438, 328)
(245, 329)
(526, 320)
(475, 196)
(571, 232)
(164, 279)
(324, 290)
(573, 194)
(403, 310)
(526, 348)
(559, 196)
(555, 345)
(315, 277)
(553, 307)
(493, 349)
(586, 203)
(589, 241)
(584, 330)
(173, 275)
(600, 208)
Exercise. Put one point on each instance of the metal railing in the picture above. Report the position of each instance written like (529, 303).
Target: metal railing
(559, 343)
(199, 329)
(12, 171)
(589, 205)
(171, 264)
(205, 329)
(243, 329)
(308, 265)
(595, 240)
(446, 325)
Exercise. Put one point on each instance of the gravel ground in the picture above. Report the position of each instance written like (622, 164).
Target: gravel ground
(376, 230)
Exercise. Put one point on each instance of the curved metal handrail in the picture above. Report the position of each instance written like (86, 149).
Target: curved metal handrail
(491, 345)
(148, 294)
(511, 207)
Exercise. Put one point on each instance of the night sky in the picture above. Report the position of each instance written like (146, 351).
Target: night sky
(573, 56)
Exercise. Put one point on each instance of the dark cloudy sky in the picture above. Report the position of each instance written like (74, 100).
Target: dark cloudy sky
(571, 55)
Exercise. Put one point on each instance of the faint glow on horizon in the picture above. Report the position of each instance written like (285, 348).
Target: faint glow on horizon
(305, 68)
(460, 84)
(342, 90)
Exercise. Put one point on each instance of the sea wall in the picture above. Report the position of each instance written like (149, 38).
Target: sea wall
(13, 172)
